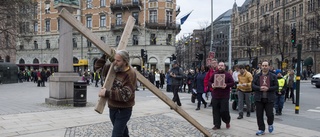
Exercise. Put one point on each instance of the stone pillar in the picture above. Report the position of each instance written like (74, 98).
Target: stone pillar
(61, 84)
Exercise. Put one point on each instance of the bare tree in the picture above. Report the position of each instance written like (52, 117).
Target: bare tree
(15, 16)
(203, 39)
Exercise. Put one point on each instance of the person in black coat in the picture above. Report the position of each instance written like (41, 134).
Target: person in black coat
(162, 77)
(151, 76)
(265, 85)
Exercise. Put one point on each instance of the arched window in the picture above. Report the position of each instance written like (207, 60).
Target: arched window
(54, 61)
(35, 61)
(75, 60)
(21, 61)
(7, 59)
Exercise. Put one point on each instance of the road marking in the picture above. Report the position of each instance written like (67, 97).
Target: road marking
(313, 110)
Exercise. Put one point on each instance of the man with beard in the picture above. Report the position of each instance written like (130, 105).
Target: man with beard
(212, 70)
(264, 84)
(121, 97)
(221, 82)
(176, 75)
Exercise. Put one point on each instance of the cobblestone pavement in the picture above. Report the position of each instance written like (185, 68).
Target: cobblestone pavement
(148, 126)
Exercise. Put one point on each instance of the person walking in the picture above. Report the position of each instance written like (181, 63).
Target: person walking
(168, 79)
(213, 68)
(157, 78)
(198, 85)
(279, 101)
(176, 74)
(96, 77)
(162, 77)
(121, 96)
(291, 82)
(244, 89)
(264, 84)
(220, 96)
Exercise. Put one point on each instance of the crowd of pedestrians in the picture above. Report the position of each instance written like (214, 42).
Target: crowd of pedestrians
(38, 76)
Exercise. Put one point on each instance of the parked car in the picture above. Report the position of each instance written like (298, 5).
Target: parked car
(316, 80)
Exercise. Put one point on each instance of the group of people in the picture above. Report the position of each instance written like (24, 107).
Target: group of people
(39, 76)
(268, 87)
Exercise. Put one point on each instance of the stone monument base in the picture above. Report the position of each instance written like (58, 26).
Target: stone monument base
(61, 88)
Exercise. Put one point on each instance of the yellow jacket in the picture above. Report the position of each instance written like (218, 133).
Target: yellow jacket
(245, 81)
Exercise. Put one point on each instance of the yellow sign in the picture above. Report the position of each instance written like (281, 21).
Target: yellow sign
(284, 64)
(298, 78)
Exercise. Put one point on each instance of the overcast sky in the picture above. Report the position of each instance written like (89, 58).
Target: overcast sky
(201, 13)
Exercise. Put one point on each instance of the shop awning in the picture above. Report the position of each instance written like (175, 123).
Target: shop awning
(82, 62)
(308, 62)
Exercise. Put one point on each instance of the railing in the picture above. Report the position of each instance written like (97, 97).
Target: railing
(162, 23)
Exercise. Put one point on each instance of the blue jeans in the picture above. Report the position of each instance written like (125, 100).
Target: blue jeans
(278, 103)
(119, 118)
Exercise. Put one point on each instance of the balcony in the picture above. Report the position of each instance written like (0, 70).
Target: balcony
(118, 26)
(125, 5)
(162, 24)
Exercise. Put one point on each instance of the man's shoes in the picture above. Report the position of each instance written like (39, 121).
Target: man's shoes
(215, 128)
(248, 114)
(270, 128)
(240, 117)
(277, 114)
(179, 105)
(228, 125)
(197, 108)
(260, 132)
(205, 105)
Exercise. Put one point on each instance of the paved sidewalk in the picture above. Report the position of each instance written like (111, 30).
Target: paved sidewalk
(28, 116)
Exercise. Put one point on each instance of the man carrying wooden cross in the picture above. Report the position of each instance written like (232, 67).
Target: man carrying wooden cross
(122, 94)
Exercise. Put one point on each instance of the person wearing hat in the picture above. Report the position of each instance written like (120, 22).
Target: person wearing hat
(279, 100)
(176, 75)
(121, 96)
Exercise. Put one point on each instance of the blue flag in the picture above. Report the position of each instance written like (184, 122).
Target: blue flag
(184, 18)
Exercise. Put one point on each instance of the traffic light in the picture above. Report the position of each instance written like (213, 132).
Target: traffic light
(293, 37)
(173, 57)
(142, 53)
(235, 62)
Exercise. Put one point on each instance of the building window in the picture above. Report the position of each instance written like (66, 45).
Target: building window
(169, 39)
(294, 12)
(301, 10)
(169, 18)
(153, 39)
(89, 43)
(89, 22)
(35, 44)
(102, 3)
(153, 16)
(102, 38)
(47, 9)
(35, 27)
(135, 15)
(7, 37)
(287, 14)
(7, 59)
(35, 61)
(74, 42)
(118, 19)
(58, 22)
(117, 40)
(48, 44)
(278, 17)
(21, 61)
(89, 4)
(135, 40)
(47, 25)
(21, 47)
(102, 20)
(118, 2)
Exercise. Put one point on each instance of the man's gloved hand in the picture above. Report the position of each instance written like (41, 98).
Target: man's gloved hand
(109, 57)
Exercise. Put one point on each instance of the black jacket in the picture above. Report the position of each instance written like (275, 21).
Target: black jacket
(179, 76)
(274, 86)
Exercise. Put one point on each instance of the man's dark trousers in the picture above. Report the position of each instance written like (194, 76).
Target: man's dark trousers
(119, 118)
(262, 106)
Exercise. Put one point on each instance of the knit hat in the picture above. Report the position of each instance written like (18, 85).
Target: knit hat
(278, 71)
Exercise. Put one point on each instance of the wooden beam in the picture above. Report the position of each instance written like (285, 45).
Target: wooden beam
(67, 16)
(170, 103)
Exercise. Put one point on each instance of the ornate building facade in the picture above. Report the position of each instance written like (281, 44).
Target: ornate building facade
(262, 30)
(154, 31)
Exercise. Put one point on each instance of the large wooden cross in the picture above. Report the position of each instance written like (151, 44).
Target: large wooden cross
(68, 17)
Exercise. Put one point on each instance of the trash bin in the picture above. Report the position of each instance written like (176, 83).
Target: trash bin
(80, 94)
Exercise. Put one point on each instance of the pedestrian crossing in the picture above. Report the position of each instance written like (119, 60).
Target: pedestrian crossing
(314, 110)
